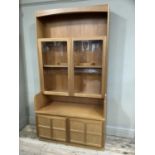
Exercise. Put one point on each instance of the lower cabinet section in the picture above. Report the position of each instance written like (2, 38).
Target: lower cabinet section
(86, 132)
(52, 127)
(79, 131)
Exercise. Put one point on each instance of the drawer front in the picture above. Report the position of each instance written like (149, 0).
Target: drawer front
(44, 120)
(44, 132)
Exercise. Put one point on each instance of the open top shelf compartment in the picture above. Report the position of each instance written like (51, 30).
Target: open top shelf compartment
(72, 25)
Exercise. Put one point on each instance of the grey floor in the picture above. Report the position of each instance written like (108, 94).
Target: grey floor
(31, 145)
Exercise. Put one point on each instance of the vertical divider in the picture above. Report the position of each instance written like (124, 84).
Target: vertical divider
(51, 127)
(71, 68)
(85, 133)
(103, 88)
(41, 65)
(67, 130)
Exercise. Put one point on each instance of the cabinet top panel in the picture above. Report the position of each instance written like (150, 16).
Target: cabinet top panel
(96, 8)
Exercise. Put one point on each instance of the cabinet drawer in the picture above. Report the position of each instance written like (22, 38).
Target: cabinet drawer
(44, 132)
(44, 120)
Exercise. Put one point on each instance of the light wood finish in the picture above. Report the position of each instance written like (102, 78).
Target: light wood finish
(73, 99)
(56, 66)
(97, 8)
(40, 101)
(88, 111)
(55, 93)
(69, 26)
(52, 127)
(86, 132)
(71, 106)
(88, 66)
(54, 80)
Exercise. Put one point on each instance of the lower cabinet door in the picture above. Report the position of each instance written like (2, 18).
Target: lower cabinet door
(77, 131)
(59, 128)
(94, 133)
(88, 132)
(52, 127)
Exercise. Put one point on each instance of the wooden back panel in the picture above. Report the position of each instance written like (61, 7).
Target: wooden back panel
(69, 25)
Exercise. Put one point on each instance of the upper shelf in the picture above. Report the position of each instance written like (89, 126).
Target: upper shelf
(97, 8)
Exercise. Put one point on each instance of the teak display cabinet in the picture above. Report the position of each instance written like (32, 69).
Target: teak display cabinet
(72, 54)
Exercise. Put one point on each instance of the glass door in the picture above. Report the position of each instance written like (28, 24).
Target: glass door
(88, 67)
(54, 63)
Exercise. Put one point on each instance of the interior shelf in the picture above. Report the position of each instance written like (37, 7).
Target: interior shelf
(89, 111)
(56, 66)
(88, 66)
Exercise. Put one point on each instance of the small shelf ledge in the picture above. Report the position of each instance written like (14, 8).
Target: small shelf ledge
(56, 93)
(55, 66)
(88, 67)
(83, 94)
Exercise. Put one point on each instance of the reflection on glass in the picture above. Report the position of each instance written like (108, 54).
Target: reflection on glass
(54, 53)
(88, 53)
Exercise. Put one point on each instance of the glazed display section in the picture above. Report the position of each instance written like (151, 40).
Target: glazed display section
(72, 55)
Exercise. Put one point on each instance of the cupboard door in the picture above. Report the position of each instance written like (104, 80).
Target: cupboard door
(59, 128)
(88, 132)
(54, 62)
(77, 131)
(94, 133)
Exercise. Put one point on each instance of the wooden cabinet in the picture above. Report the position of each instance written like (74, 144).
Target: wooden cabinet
(86, 132)
(72, 56)
(52, 127)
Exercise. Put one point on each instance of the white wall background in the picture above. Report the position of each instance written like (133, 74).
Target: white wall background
(121, 59)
